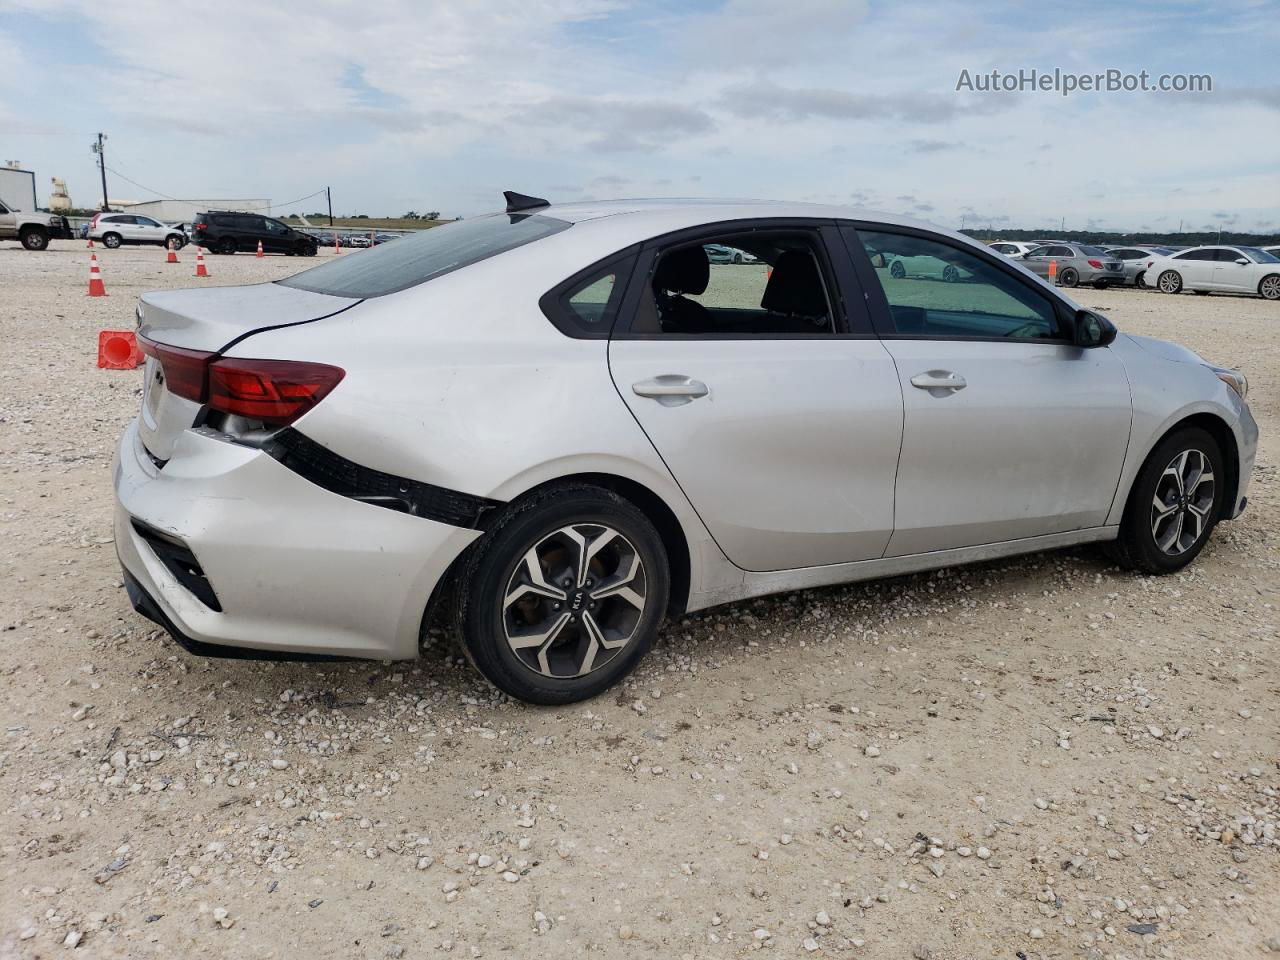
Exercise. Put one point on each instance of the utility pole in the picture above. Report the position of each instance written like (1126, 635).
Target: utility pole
(98, 148)
(329, 198)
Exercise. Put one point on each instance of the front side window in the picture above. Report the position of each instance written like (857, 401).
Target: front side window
(429, 253)
(275, 226)
(944, 291)
(760, 283)
(145, 222)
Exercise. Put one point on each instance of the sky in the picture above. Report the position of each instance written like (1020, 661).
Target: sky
(425, 105)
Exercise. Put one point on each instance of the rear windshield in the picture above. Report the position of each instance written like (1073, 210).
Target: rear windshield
(421, 256)
(1089, 251)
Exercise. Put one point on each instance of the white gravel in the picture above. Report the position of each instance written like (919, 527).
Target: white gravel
(778, 774)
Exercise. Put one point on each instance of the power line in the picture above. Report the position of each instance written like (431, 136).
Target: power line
(253, 210)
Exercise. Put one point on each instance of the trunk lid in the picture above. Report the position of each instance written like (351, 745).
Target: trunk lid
(210, 321)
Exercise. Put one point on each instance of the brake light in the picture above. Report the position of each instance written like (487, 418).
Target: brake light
(94, 222)
(273, 391)
(199, 225)
(1150, 262)
(1096, 264)
(184, 370)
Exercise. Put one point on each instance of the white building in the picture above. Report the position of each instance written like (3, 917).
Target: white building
(183, 211)
(18, 188)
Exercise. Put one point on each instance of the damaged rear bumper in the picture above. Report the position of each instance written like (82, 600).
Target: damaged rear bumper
(293, 569)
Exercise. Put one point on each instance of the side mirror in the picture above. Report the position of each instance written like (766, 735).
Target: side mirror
(1093, 330)
(1243, 261)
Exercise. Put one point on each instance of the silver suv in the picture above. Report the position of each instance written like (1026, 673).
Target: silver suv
(114, 229)
(1077, 263)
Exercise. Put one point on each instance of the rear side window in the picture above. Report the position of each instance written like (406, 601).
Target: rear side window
(1196, 255)
(430, 253)
(586, 305)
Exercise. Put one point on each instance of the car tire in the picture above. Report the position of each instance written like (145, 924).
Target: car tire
(112, 241)
(176, 239)
(1169, 282)
(1152, 543)
(1140, 281)
(950, 273)
(1069, 277)
(225, 246)
(504, 594)
(897, 270)
(35, 239)
(1269, 287)
(737, 258)
(310, 250)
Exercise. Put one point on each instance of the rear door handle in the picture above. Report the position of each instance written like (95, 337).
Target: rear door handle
(943, 381)
(671, 389)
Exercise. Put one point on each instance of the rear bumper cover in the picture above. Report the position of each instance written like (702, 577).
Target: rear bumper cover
(297, 569)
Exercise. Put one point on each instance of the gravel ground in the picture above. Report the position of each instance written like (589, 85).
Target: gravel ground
(1044, 757)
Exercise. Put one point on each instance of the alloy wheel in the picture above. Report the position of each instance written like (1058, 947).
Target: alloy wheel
(574, 600)
(1169, 282)
(1270, 287)
(1182, 502)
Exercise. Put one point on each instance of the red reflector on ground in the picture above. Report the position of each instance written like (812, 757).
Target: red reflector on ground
(274, 391)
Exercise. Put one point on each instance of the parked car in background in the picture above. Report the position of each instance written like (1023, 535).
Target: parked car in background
(1218, 269)
(1012, 248)
(1077, 263)
(719, 253)
(227, 231)
(114, 230)
(33, 230)
(359, 240)
(385, 237)
(1135, 261)
(313, 461)
(1274, 251)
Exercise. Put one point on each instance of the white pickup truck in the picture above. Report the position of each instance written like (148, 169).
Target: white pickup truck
(34, 230)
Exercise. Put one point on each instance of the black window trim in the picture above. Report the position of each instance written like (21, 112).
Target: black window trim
(554, 303)
(878, 303)
(851, 320)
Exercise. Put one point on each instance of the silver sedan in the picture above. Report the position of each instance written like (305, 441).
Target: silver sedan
(1074, 264)
(557, 425)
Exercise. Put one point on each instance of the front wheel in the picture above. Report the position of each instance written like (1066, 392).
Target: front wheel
(897, 270)
(563, 596)
(1174, 504)
(177, 239)
(1269, 288)
(35, 239)
(1170, 282)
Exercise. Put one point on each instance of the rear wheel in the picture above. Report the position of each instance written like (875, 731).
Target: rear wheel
(1069, 277)
(563, 596)
(950, 273)
(897, 270)
(1174, 505)
(111, 240)
(35, 239)
(1269, 288)
(226, 245)
(1170, 282)
(1140, 281)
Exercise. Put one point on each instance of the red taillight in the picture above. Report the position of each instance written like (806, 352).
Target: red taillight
(200, 226)
(184, 370)
(1150, 262)
(1096, 264)
(94, 222)
(273, 391)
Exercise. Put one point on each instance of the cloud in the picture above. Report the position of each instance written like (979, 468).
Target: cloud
(615, 125)
(769, 101)
(931, 146)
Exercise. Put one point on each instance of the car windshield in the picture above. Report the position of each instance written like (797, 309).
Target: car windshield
(430, 253)
(1258, 255)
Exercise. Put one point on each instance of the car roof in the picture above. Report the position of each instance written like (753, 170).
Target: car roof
(623, 222)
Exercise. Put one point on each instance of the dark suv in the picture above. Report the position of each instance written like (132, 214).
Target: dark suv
(225, 231)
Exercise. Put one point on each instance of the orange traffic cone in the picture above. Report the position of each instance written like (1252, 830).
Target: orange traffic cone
(173, 254)
(96, 288)
(259, 253)
(118, 350)
(200, 270)
(89, 242)
(1053, 271)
